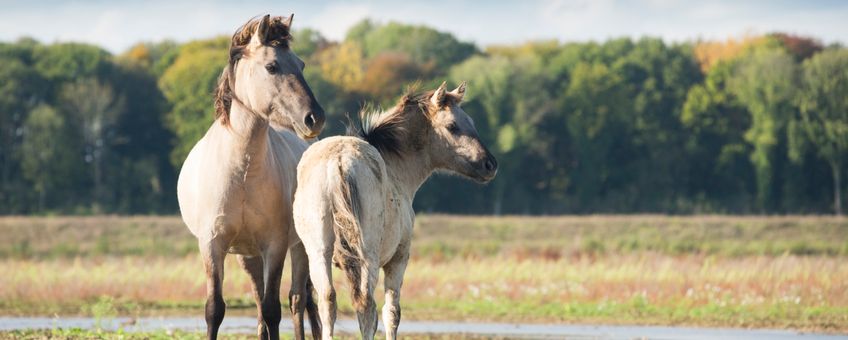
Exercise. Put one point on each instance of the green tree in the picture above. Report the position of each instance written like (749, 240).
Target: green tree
(70, 61)
(823, 103)
(715, 123)
(21, 87)
(49, 154)
(423, 44)
(95, 108)
(656, 77)
(595, 101)
(765, 83)
(188, 84)
(141, 144)
(343, 65)
(307, 42)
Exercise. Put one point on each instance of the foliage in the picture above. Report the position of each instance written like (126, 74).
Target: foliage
(824, 112)
(188, 84)
(765, 82)
(75, 124)
(423, 44)
(617, 126)
(48, 152)
(341, 65)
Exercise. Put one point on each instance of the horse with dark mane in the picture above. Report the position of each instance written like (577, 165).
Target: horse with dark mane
(353, 205)
(237, 184)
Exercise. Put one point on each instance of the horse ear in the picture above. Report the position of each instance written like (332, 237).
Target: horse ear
(459, 92)
(261, 34)
(288, 21)
(438, 97)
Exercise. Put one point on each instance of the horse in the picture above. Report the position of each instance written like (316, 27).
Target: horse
(236, 186)
(353, 204)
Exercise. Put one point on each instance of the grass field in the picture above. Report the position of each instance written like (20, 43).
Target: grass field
(779, 272)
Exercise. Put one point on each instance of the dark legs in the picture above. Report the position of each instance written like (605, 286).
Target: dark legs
(213, 254)
(266, 293)
(300, 295)
(254, 268)
(270, 304)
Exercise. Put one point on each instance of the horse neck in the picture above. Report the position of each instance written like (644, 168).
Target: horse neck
(408, 172)
(412, 166)
(249, 137)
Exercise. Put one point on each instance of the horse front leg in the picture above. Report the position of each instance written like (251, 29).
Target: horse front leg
(300, 295)
(273, 272)
(392, 282)
(254, 268)
(213, 253)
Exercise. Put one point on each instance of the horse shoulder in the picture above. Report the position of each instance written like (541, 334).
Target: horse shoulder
(208, 197)
(200, 210)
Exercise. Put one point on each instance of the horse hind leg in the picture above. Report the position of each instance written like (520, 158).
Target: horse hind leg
(314, 225)
(213, 253)
(366, 307)
(321, 276)
(254, 268)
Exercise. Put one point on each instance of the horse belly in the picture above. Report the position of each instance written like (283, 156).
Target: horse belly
(397, 230)
(264, 222)
(244, 244)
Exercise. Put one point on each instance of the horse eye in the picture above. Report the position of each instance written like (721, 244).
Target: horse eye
(453, 128)
(271, 68)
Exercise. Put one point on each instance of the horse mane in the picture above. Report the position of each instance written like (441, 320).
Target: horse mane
(278, 36)
(387, 130)
(384, 130)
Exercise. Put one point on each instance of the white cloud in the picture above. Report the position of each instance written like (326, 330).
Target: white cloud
(335, 19)
(117, 25)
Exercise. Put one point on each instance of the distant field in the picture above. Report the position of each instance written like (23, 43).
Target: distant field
(446, 237)
(783, 272)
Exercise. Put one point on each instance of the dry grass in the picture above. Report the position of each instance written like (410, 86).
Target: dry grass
(785, 291)
(445, 237)
(785, 272)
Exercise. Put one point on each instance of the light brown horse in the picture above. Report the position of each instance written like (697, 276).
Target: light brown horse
(236, 186)
(354, 198)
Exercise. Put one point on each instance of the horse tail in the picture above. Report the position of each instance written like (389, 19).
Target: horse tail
(348, 253)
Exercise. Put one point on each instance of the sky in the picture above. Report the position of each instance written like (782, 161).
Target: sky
(117, 25)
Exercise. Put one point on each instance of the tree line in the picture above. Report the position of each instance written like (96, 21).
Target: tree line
(757, 124)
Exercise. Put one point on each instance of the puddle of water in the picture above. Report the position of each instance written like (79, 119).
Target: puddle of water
(247, 325)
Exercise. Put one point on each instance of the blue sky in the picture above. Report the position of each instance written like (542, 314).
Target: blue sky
(116, 25)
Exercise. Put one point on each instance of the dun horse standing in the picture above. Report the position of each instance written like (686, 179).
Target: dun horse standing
(353, 205)
(236, 187)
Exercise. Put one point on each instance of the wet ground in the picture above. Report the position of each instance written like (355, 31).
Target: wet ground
(247, 325)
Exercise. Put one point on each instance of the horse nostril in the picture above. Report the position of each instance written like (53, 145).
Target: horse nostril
(309, 120)
(490, 165)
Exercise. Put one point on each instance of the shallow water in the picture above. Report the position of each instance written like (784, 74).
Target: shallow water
(247, 325)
